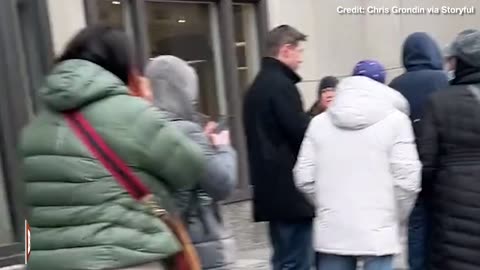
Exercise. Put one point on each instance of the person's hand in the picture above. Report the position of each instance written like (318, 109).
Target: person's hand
(210, 128)
(221, 139)
(146, 89)
(140, 87)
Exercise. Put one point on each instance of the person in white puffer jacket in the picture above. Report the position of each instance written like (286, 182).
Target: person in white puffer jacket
(359, 165)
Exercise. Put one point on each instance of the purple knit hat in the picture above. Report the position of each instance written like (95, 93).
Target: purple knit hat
(371, 69)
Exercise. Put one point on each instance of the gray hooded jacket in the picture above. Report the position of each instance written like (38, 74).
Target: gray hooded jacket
(175, 87)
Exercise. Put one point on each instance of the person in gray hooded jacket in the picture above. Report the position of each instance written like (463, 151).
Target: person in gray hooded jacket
(175, 90)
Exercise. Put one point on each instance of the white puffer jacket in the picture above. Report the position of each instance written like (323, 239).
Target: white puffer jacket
(360, 164)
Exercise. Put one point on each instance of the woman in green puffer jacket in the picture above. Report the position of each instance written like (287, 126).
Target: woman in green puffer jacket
(80, 218)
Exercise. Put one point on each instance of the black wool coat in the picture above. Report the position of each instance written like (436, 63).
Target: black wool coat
(275, 124)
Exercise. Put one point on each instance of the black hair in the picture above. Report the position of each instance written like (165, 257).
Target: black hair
(105, 46)
(327, 82)
(282, 35)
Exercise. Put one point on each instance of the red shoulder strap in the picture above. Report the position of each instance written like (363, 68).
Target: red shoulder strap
(107, 157)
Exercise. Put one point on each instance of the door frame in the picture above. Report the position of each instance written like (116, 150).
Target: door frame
(21, 71)
(137, 28)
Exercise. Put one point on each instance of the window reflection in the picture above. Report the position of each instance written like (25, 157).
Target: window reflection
(111, 12)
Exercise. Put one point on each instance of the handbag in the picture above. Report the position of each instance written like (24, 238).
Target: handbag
(187, 259)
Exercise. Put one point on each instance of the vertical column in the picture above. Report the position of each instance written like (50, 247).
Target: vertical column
(91, 11)
(263, 20)
(217, 57)
(6, 231)
(250, 28)
(13, 110)
(36, 43)
(137, 23)
(233, 95)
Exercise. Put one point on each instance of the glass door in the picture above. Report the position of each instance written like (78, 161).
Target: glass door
(190, 31)
(246, 43)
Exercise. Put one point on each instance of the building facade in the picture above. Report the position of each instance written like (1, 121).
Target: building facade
(221, 39)
(337, 41)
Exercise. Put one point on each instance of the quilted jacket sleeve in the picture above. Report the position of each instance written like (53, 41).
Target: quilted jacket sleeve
(168, 154)
(405, 167)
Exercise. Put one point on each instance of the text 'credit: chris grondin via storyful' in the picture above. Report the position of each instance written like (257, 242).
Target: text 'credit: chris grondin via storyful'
(413, 10)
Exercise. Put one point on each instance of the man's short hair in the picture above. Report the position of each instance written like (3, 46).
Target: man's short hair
(282, 35)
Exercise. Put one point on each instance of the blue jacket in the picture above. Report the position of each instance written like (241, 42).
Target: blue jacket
(424, 73)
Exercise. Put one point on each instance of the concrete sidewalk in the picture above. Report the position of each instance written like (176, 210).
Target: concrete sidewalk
(253, 251)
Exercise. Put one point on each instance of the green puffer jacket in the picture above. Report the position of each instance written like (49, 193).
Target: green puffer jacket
(80, 217)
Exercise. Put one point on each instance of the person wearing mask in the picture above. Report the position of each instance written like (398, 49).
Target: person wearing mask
(80, 216)
(449, 62)
(424, 75)
(275, 123)
(449, 56)
(359, 209)
(175, 91)
(449, 147)
(326, 94)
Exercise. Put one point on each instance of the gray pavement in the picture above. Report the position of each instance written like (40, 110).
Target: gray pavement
(253, 251)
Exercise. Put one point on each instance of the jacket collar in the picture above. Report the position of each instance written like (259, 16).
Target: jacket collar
(467, 76)
(473, 78)
(271, 63)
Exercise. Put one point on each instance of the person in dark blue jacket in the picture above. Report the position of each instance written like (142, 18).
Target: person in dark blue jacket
(424, 75)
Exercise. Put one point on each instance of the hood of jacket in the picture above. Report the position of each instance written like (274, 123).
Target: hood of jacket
(175, 86)
(75, 83)
(421, 52)
(467, 47)
(361, 102)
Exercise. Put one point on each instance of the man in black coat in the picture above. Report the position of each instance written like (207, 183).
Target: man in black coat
(424, 75)
(275, 124)
(449, 147)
